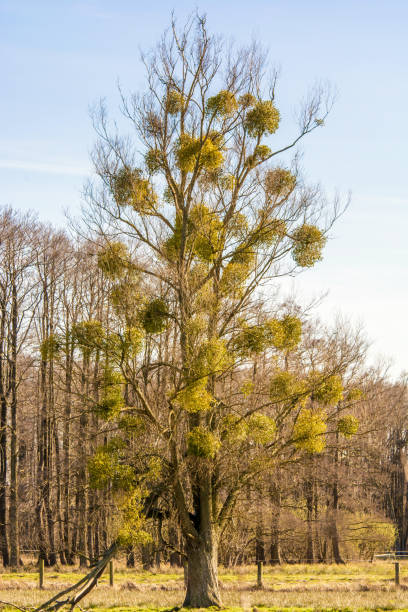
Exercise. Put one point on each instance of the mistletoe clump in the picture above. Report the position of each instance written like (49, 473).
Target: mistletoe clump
(202, 443)
(212, 357)
(308, 244)
(113, 260)
(211, 157)
(154, 316)
(262, 119)
(260, 154)
(203, 230)
(132, 520)
(174, 102)
(271, 231)
(328, 391)
(88, 336)
(205, 297)
(107, 467)
(207, 227)
(237, 271)
(191, 149)
(261, 429)
(111, 385)
(279, 181)
(223, 104)
(50, 347)
(131, 341)
(187, 151)
(233, 278)
(250, 340)
(127, 343)
(238, 226)
(172, 245)
(308, 431)
(285, 333)
(285, 386)
(233, 429)
(194, 397)
(153, 160)
(282, 334)
(348, 425)
(131, 189)
(247, 100)
(126, 298)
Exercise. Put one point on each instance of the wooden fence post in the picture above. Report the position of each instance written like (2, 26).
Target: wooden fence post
(259, 581)
(397, 576)
(110, 573)
(41, 565)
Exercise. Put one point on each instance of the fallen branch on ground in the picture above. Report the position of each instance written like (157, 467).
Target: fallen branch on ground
(85, 585)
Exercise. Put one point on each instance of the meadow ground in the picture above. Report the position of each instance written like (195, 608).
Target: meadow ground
(351, 587)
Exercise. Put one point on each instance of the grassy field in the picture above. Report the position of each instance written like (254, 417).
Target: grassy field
(358, 586)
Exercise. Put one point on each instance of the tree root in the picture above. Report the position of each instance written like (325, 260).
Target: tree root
(81, 588)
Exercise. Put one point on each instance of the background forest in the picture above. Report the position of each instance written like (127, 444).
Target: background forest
(55, 306)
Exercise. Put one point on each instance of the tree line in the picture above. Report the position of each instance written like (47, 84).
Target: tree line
(55, 303)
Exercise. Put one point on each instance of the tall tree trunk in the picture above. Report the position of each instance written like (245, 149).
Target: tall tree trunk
(259, 537)
(275, 549)
(52, 554)
(91, 526)
(130, 557)
(310, 554)
(334, 515)
(4, 548)
(404, 494)
(202, 549)
(333, 526)
(82, 514)
(58, 489)
(83, 499)
(66, 448)
(202, 573)
(52, 513)
(147, 556)
(42, 444)
(174, 557)
(3, 482)
(13, 508)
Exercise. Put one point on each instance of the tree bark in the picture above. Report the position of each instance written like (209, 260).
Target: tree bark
(4, 549)
(275, 549)
(310, 555)
(333, 522)
(3, 483)
(333, 529)
(13, 507)
(202, 574)
(66, 447)
(42, 465)
(83, 499)
(130, 557)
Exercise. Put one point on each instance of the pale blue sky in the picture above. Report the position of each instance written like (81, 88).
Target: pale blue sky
(59, 57)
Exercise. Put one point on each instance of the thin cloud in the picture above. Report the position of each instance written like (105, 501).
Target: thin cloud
(66, 169)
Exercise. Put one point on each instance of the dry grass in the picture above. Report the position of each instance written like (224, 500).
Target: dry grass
(351, 587)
